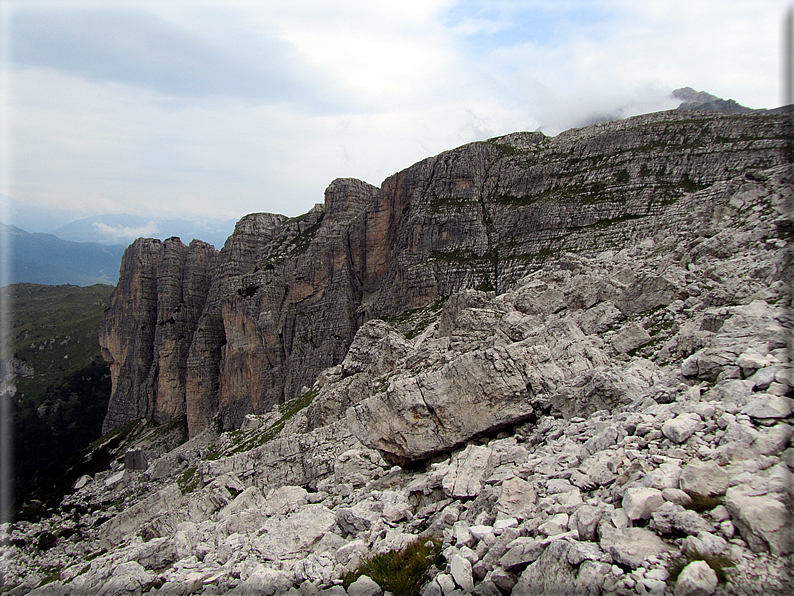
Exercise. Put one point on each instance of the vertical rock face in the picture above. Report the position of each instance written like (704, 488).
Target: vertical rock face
(149, 325)
(191, 331)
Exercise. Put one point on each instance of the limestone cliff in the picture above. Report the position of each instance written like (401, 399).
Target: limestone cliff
(283, 299)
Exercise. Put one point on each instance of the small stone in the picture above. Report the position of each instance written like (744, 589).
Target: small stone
(481, 532)
(446, 582)
(82, 481)
(680, 428)
(720, 513)
(696, 579)
(502, 524)
(460, 569)
(364, 586)
(639, 503)
(677, 496)
(555, 525)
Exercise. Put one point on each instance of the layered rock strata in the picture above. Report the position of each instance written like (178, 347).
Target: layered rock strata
(284, 298)
(148, 327)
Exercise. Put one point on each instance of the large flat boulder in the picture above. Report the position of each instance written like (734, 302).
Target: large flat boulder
(422, 415)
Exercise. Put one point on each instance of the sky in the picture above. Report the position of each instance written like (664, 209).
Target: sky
(216, 109)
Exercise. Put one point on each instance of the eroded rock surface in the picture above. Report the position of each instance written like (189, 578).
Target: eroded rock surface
(582, 427)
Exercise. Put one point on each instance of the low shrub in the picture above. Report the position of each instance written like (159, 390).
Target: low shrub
(404, 572)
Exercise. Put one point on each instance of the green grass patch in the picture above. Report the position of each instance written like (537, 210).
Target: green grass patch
(63, 390)
(404, 572)
(304, 238)
(412, 322)
(246, 440)
(54, 329)
(189, 481)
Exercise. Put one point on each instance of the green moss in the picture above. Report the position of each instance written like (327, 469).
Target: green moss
(504, 149)
(404, 572)
(412, 322)
(189, 480)
(120, 433)
(245, 441)
(302, 241)
(689, 185)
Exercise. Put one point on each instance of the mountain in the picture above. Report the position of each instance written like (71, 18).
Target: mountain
(700, 101)
(526, 366)
(46, 259)
(191, 331)
(124, 228)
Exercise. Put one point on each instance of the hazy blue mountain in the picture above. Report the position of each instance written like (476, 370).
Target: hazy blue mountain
(47, 259)
(124, 228)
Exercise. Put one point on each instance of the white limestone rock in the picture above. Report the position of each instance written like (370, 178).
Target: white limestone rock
(683, 426)
(364, 586)
(460, 569)
(467, 471)
(630, 337)
(632, 546)
(706, 478)
(763, 520)
(696, 579)
(767, 406)
(640, 503)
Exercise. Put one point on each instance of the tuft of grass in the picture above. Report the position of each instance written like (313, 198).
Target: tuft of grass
(52, 573)
(189, 480)
(404, 572)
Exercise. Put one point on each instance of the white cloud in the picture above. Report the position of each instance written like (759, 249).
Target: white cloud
(120, 234)
(355, 88)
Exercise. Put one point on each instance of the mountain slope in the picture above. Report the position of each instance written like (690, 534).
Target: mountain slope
(61, 384)
(283, 299)
(611, 423)
(47, 259)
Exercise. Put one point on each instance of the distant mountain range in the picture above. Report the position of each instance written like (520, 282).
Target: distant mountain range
(88, 251)
(124, 228)
(47, 259)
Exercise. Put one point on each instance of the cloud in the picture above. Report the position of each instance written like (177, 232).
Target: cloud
(138, 48)
(218, 109)
(120, 233)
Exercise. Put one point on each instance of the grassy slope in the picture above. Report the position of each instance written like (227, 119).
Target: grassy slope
(59, 408)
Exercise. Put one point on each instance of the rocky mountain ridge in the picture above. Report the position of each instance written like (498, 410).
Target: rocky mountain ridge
(617, 423)
(250, 327)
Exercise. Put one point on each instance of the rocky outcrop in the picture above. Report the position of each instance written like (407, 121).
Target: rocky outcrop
(149, 325)
(284, 298)
(617, 423)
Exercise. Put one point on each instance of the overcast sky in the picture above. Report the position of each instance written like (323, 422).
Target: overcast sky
(221, 108)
